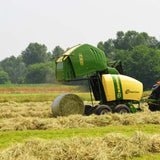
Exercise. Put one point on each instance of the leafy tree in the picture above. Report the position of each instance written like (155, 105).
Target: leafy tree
(4, 78)
(151, 42)
(127, 41)
(35, 53)
(15, 68)
(132, 39)
(57, 52)
(109, 47)
(40, 73)
(118, 42)
(49, 56)
(100, 45)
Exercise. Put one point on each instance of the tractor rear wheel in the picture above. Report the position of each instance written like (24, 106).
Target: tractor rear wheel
(122, 109)
(103, 109)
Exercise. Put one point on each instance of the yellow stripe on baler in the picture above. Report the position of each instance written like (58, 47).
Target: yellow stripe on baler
(108, 86)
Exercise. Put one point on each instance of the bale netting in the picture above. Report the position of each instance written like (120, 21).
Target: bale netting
(67, 104)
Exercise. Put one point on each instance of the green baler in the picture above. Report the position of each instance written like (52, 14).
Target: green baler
(79, 61)
(86, 60)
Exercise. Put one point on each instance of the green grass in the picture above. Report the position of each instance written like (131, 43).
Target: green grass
(148, 156)
(37, 97)
(15, 92)
(9, 137)
(146, 93)
(32, 85)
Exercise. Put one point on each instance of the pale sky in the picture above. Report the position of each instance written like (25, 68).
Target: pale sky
(70, 22)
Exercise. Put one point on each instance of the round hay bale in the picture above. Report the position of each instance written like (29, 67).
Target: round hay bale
(67, 104)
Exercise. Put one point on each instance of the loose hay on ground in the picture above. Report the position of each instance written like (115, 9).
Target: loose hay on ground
(110, 147)
(78, 121)
(22, 123)
(38, 109)
(31, 109)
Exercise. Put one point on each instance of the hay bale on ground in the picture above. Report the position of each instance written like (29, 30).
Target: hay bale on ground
(67, 104)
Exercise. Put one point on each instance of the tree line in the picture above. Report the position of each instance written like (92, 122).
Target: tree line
(139, 54)
(33, 65)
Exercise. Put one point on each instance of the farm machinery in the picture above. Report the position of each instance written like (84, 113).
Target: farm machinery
(114, 91)
(154, 98)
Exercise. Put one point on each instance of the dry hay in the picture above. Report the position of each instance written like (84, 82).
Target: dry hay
(31, 116)
(23, 123)
(34, 109)
(67, 104)
(79, 121)
(110, 147)
(30, 109)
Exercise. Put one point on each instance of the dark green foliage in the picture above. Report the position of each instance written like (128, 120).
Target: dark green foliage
(40, 73)
(57, 52)
(100, 45)
(35, 53)
(127, 41)
(34, 65)
(130, 40)
(15, 68)
(4, 78)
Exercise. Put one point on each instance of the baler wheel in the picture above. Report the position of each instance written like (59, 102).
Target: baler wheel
(122, 109)
(103, 109)
(152, 107)
(88, 110)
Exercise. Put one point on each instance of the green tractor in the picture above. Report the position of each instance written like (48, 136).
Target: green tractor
(114, 91)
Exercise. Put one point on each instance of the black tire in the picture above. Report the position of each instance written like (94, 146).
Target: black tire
(122, 109)
(103, 109)
(152, 107)
(88, 110)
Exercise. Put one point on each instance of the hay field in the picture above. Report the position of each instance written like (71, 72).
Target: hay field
(38, 115)
(29, 131)
(109, 147)
(38, 93)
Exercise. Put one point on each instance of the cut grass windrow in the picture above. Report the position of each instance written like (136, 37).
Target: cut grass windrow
(9, 137)
(112, 146)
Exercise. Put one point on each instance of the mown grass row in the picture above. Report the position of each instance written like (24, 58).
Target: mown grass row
(112, 146)
(19, 122)
(10, 137)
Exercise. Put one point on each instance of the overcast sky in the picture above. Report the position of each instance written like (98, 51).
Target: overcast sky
(70, 22)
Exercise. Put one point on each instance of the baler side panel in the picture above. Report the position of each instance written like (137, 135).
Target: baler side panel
(120, 87)
(82, 60)
(87, 59)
